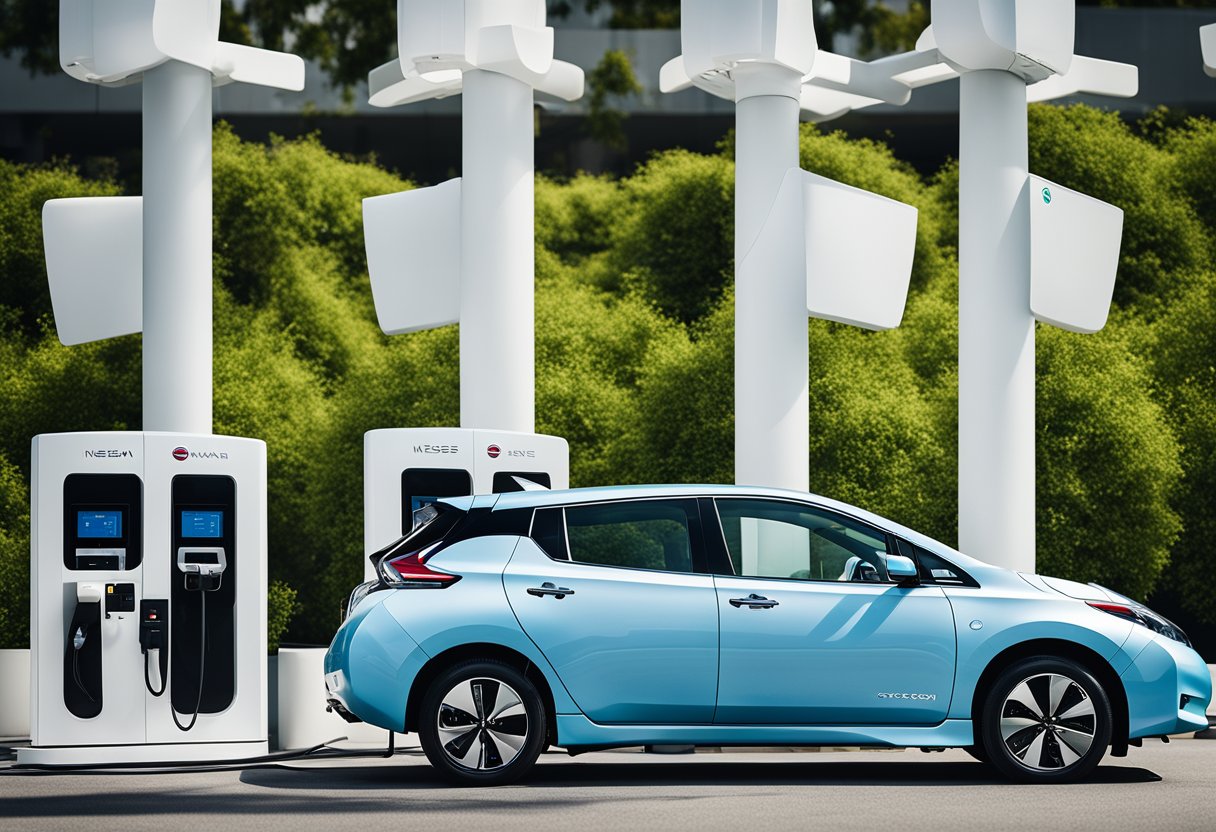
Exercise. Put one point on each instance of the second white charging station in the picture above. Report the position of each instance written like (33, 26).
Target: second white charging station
(405, 469)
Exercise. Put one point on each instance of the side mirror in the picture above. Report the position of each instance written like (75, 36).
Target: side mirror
(901, 569)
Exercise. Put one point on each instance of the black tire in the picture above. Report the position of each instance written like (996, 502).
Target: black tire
(1057, 721)
(473, 742)
(978, 753)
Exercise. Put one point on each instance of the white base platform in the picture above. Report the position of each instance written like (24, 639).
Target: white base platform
(101, 755)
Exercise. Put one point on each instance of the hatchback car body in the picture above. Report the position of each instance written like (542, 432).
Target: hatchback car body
(727, 616)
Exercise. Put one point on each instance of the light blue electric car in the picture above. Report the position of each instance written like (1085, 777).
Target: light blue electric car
(725, 616)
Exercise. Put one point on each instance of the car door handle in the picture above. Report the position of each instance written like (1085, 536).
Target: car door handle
(548, 588)
(753, 602)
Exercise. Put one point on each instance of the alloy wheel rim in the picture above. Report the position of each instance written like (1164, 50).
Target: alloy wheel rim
(1048, 722)
(483, 724)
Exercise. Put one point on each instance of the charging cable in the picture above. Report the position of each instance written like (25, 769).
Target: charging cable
(148, 681)
(77, 643)
(202, 667)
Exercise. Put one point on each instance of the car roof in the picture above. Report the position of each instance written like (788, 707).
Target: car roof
(573, 496)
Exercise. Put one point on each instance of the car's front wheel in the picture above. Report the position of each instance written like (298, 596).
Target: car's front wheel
(1046, 720)
(482, 723)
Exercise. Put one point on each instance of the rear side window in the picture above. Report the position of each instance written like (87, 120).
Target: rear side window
(549, 532)
(639, 534)
(651, 534)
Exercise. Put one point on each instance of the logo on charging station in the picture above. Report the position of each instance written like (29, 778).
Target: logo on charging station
(1047, 196)
(181, 454)
(493, 451)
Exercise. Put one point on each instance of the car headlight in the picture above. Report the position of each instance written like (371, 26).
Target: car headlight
(358, 594)
(1144, 617)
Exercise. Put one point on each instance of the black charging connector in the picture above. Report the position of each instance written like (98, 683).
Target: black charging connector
(196, 582)
(154, 635)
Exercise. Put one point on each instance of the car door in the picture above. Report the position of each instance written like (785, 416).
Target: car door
(812, 632)
(618, 598)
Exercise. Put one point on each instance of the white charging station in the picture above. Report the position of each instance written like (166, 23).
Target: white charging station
(462, 252)
(148, 608)
(405, 469)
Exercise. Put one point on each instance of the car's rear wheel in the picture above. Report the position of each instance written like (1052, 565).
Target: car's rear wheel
(482, 723)
(1046, 720)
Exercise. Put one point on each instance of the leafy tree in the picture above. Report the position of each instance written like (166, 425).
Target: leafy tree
(612, 78)
(1107, 463)
(634, 309)
(14, 557)
(281, 608)
(1184, 347)
(674, 245)
(880, 27)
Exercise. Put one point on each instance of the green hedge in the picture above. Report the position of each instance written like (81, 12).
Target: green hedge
(634, 293)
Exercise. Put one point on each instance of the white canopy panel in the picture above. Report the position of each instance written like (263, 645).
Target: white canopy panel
(94, 264)
(854, 247)
(413, 257)
(1074, 255)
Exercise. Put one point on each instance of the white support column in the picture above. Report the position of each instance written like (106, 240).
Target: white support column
(996, 464)
(177, 248)
(771, 444)
(497, 259)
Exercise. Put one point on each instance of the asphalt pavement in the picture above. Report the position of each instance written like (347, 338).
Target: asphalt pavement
(1157, 788)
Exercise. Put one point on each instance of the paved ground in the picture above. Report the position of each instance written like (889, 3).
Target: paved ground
(1157, 788)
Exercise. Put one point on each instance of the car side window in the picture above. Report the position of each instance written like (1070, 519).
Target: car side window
(776, 539)
(934, 569)
(636, 534)
(549, 532)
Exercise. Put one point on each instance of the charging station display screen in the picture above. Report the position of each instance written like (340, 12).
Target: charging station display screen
(99, 524)
(202, 524)
(421, 502)
(421, 487)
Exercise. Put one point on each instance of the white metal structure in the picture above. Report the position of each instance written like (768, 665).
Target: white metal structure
(112, 512)
(134, 531)
(406, 469)
(1028, 248)
(147, 262)
(1017, 239)
(463, 250)
(803, 244)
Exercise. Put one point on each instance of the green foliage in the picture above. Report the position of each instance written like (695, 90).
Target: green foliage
(880, 28)
(14, 557)
(281, 607)
(627, 14)
(1184, 347)
(576, 219)
(635, 354)
(675, 242)
(612, 78)
(1107, 463)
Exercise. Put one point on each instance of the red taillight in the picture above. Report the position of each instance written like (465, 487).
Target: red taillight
(415, 572)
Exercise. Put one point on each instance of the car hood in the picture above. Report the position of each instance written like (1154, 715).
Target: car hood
(1073, 589)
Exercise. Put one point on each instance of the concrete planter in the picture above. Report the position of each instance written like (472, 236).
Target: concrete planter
(297, 704)
(14, 693)
(1212, 704)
